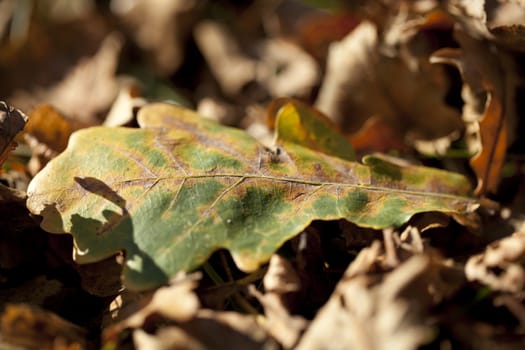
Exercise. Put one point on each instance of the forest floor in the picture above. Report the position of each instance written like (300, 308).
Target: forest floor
(422, 99)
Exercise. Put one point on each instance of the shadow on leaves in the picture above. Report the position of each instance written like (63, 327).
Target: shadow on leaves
(96, 240)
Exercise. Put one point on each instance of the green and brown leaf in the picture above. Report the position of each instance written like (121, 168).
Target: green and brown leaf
(181, 187)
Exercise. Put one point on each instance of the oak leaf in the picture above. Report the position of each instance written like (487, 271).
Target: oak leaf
(171, 193)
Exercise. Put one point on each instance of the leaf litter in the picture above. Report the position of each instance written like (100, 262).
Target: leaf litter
(334, 244)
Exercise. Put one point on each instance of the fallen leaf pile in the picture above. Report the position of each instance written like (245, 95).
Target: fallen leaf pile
(262, 175)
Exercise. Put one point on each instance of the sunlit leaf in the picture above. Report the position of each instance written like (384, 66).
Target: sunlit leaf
(299, 123)
(181, 187)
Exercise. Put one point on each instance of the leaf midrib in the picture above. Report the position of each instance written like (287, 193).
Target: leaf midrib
(300, 181)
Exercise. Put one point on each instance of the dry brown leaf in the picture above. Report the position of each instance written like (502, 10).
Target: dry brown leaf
(122, 112)
(350, 63)
(281, 278)
(488, 108)
(495, 32)
(176, 302)
(376, 136)
(362, 82)
(12, 121)
(30, 327)
(501, 266)
(87, 91)
(316, 32)
(367, 313)
(231, 66)
(230, 330)
(49, 126)
(166, 338)
(177, 322)
(501, 22)
(43, 53)
(285, 69)
(47, 134)
(279, 281)
(279, 68)
(209, 330)
(493, 136)
(159, 27)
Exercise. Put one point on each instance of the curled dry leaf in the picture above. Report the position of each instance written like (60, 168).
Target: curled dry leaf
(501, 22)
(493, 136)
(47, 134)
(347, 69)
(281, 277)
(12, 121)
(362, 82)
(123, 110)
(284, 69)
(488, 110)
(176, 302)
(365, 312)
(501, 266)
(285, 328)
(178, 322)
(280, 280)
(49, 126)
